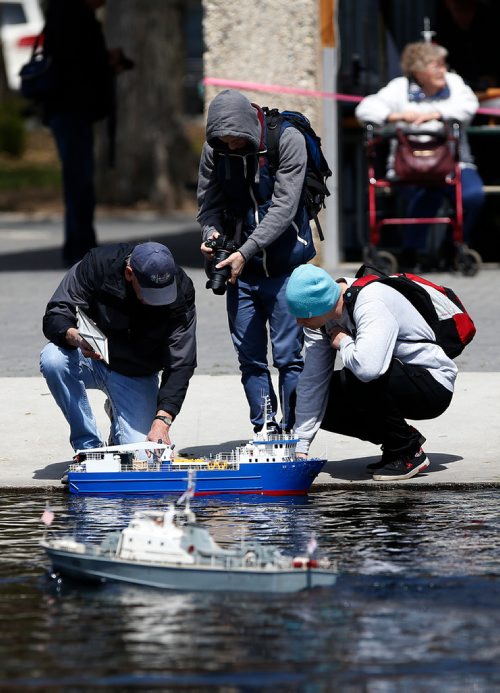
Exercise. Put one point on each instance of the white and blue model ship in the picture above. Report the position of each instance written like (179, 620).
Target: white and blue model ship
(266, 465)
(169, 549)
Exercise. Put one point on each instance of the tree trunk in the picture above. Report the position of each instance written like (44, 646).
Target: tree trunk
(153, 158)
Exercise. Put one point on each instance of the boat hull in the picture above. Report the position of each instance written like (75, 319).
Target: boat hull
(264, 478)
(186, 578)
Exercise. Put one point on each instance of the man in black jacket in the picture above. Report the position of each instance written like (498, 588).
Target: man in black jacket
(144, 304)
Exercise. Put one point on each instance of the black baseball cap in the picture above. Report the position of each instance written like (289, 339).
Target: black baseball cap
(155, 270)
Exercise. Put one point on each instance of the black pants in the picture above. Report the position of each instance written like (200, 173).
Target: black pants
(376, 411)
(73, 134)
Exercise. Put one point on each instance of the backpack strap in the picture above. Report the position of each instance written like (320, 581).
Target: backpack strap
(404, 286)
(352, 292)
(274, 120)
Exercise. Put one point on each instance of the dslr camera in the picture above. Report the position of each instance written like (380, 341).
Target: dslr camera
(223, 247)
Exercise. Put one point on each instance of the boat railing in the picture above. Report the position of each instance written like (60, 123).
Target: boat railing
(208, 464)
(271, 437)
(162, 466)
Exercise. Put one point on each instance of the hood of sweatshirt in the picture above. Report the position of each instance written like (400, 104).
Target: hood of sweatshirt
(231, 113)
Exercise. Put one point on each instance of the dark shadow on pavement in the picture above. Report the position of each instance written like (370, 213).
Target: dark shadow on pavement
(355, 469)
(41, 259)
(185, 248)
(52, 471)
(207, 450)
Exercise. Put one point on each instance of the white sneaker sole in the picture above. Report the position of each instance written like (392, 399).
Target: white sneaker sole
(413, 472)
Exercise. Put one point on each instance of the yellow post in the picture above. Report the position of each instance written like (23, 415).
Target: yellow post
(327, 28)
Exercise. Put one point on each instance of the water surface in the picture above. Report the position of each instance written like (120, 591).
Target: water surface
(416, 606)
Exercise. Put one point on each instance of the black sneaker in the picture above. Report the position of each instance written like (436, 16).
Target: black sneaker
(403, 467)
(388, 456)
(385, 459)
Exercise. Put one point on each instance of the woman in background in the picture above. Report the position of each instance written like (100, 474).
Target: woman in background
(427, 96)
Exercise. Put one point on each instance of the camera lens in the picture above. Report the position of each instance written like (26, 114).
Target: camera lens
(219, 277)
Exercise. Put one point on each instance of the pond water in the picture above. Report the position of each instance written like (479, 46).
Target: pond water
(416, 606)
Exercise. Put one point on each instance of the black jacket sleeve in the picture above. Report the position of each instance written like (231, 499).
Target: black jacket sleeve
(75, 289)
(182, 357)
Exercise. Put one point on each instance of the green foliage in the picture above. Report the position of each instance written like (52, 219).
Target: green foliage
(30, 176)
(12, 132)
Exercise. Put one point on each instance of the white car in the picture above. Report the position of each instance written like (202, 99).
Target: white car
(20, 23)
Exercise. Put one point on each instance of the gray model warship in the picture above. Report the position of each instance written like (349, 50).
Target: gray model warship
(168, 549)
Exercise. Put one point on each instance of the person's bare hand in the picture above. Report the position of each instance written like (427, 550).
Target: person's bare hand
(414, 117)
(237, 262)
(337, 335)
(75, 339)
(208, 252)
(159, 433)
(409, 116)
(425, 117)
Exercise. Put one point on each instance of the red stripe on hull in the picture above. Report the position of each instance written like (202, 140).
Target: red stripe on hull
(252, 493)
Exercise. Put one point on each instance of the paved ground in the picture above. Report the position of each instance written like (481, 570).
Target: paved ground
(463, 444)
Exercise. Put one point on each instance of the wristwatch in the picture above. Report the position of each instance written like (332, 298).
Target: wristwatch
(166, 419)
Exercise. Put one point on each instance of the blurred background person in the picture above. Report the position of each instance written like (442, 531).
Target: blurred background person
(84, 72)
(426, 97)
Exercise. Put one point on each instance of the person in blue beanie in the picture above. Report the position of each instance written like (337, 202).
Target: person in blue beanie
(392, 369)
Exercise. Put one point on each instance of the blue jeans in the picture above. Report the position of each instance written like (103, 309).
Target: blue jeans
(425, 202)
(75, 144)
(133, 399)
(251, 304)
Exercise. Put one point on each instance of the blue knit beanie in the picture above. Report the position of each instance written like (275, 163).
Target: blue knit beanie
(311, 292)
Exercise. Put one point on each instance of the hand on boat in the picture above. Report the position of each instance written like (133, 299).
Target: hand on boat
(159, 433)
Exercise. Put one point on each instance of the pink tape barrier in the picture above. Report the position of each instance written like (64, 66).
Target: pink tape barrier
(280, 89)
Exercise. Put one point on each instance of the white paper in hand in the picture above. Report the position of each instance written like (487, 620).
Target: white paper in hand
(92, 334)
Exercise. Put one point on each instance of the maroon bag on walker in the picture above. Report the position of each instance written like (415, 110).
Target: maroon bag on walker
(423, 158)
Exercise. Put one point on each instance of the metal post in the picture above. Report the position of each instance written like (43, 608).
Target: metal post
(331, 249)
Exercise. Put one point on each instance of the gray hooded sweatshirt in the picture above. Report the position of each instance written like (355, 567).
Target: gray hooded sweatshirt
(231, 113)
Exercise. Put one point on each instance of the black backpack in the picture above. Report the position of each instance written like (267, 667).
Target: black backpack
(438, 305)
(315, 188)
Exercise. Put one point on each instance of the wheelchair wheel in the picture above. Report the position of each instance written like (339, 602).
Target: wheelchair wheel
(468, 262)
(385, 261)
